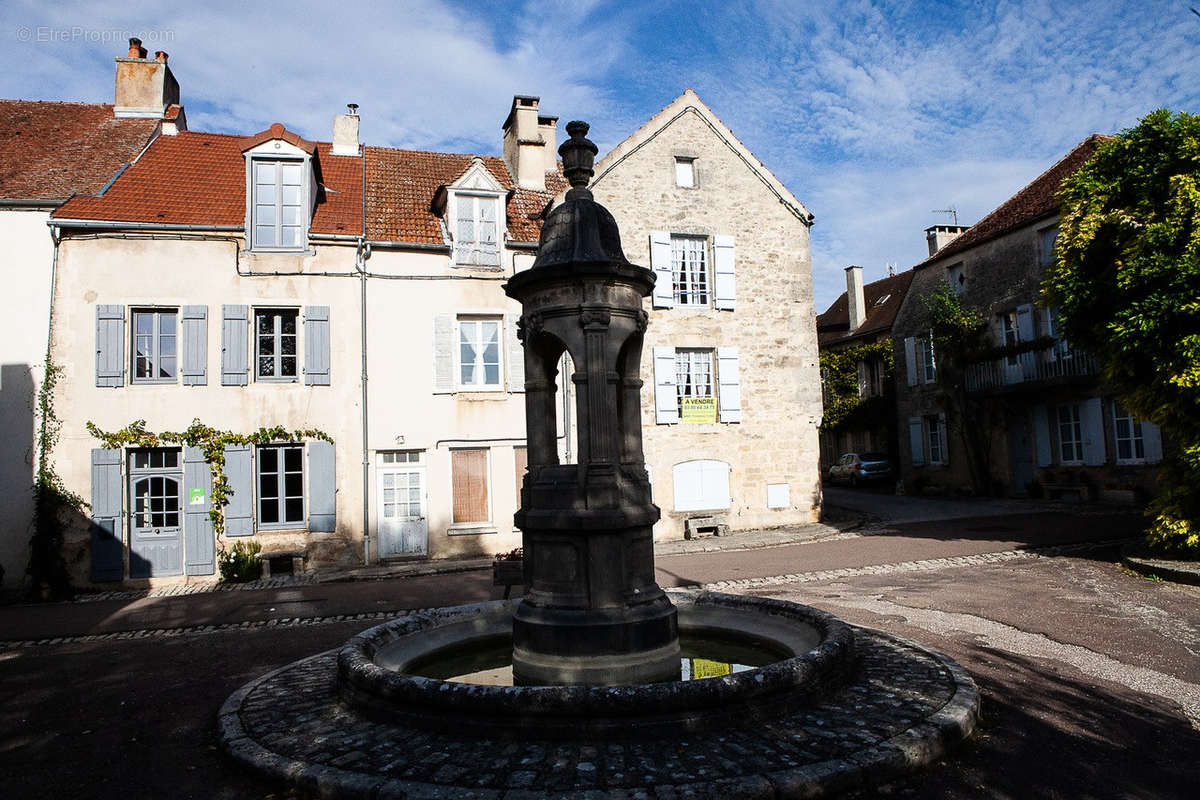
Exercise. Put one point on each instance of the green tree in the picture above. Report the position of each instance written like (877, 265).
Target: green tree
(1126, 281)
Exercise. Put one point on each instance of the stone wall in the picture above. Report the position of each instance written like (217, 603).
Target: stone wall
(772, 324)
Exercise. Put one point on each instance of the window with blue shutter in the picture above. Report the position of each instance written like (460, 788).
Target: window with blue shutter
(724, 281)
(235, 331)
(239, 473)
(195, 345)
(110, 345)
(660, 262)
(316, 345)
(107, 546)
(322, 487)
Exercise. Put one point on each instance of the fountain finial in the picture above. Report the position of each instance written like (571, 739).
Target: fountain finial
(578, 155)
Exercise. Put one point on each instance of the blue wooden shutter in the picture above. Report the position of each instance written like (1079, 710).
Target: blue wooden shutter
(729, 385)
(316, 345)
(1041, 436)
(239, 514)
(235, 331)
(1152, 442)
(443, 353)
(1093, 433)
(195, 345)
(197, 498)
(725, 294)
(108, 556)
(910, 359)
(916, 441)
(666, 398)
(515, 354)
(660, 262)
(110, 345)
(322, 487)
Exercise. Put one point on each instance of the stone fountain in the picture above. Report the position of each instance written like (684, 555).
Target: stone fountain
(598, 679)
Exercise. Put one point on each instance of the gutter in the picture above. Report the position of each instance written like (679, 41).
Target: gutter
(361, 254)
(33, 202)
(138, 226)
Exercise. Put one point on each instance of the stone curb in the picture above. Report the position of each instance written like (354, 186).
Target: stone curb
(982, 559)
(1187, 572)
(902, 754)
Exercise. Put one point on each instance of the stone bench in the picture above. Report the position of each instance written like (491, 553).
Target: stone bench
(1057, 491)
(282, 562)
(694, 527)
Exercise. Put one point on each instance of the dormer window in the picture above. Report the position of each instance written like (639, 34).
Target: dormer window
(278, 216)
(472, 209)
(476, 233)
(281, 190)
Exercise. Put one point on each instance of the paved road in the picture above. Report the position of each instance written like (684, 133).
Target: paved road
(890, 508)
(1091, 677)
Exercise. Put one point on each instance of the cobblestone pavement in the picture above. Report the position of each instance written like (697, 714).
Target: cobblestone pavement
(292, 720)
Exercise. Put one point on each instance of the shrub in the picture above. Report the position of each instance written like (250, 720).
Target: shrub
(241, 564)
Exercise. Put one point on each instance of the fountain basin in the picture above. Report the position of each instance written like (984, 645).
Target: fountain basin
(377, 673)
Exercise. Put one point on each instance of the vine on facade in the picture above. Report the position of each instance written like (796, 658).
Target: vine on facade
(52, 502)
(212, 443)
(839, 376)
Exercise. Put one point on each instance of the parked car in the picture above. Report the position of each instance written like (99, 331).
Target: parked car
(856, 468)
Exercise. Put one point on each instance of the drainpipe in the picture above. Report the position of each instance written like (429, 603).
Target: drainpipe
(360, 263)
(56, 237)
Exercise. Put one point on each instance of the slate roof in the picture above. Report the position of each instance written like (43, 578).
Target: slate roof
(50, 151)
(200, 179)
(1036, 200)
(833, 325)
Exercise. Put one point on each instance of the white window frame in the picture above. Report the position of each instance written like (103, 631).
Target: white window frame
(277, 336)
(691, 283)
(1074, 425)
(281, 497)
(1010, 332)
(1061, 350)
(926, 359)
(1136, 439)
(477, 199)
(154, 357)
(935, 438)
(252, 195)
(685, 172)
(479, 364)
(690, 363)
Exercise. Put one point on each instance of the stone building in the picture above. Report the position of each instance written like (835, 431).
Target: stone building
(730, 423)
(1048, 426)
(863, 315)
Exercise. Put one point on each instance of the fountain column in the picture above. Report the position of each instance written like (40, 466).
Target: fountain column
(593, 613)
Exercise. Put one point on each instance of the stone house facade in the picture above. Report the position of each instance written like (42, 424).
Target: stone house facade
(732, 398)
(1050, 427)
(862, 315)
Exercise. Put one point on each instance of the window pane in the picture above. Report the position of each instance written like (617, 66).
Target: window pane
(268, 510)
(268, 485)
(171, 458)
(265, 215)
(143, 322)
(266, 345)
(291, 174)
(266, 323)
(287, 323)
(166, 367)
(287, 366)
(264, 172)
(287, 345)
(293, 485)
(290, 236)
(268, 459)
(294, 510)
(293, 459)
(290, 196)
(166, 323)
(491, 375)
(264, 235)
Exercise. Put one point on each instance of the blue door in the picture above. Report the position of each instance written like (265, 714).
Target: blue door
(156, 516)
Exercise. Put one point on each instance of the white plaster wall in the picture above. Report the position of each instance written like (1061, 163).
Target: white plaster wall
(133, 272)
(28, 253)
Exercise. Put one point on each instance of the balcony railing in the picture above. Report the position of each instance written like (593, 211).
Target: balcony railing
(1031, 367)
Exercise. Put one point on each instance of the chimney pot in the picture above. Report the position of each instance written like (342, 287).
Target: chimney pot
(855, 298)
(135, 48)
(160, 55)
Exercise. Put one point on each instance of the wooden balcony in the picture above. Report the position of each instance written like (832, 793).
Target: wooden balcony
(1024, 370)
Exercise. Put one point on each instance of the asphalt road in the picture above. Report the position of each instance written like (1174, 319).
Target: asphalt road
(1090, 676)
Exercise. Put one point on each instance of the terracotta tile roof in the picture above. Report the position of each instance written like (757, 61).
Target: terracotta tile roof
(833, 326)
(52, 150)
(401, 185)
(1038, 199)
(200, 179)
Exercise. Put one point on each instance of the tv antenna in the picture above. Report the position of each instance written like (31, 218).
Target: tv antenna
(951, 210)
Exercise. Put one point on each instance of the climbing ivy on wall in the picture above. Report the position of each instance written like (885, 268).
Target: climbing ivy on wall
(212, 442)
(839, 374)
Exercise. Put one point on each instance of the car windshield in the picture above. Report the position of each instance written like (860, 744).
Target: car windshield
(872, 457)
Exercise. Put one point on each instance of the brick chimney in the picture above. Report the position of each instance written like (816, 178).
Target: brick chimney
(529, 143)
(938, 236)
(855, 299)
(345, 132)
(145, 86)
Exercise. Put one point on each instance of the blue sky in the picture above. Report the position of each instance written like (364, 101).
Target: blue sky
(873, 114)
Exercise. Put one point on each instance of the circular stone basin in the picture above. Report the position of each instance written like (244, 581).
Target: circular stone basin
(809, 653)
